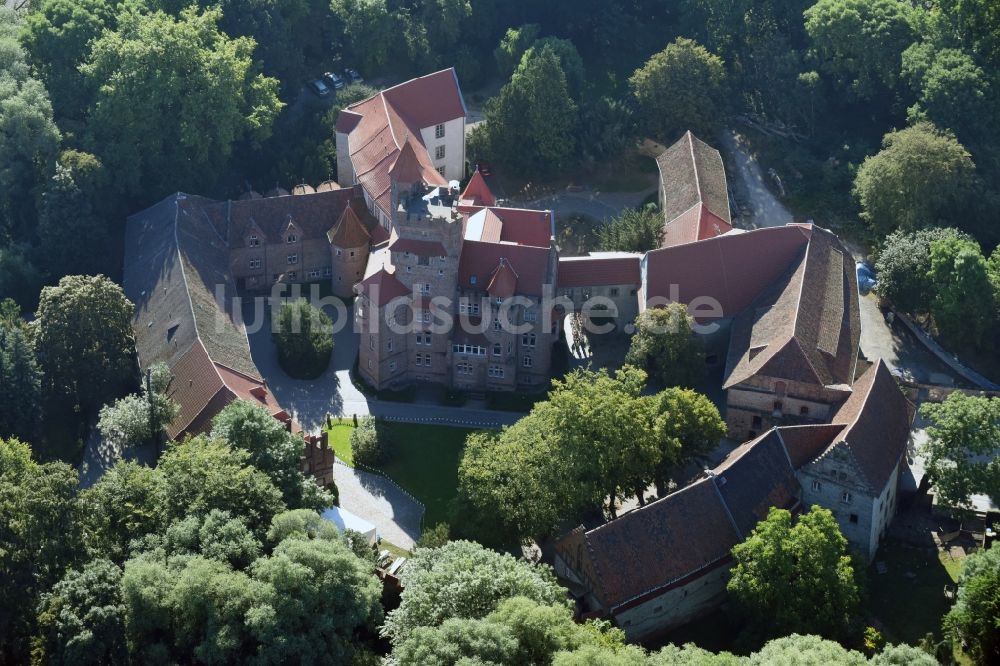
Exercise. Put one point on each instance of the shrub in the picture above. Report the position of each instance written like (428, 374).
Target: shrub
(304, 337)
(369, 444)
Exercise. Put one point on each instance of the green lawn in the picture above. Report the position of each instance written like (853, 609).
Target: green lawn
(909, 598)
(340, 440)
(424, 461)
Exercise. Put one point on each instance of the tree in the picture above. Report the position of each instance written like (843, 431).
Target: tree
(972, 621)
(58, 35)
(806, 649)
(304, 337)
(39, 539)
(952, 91)
(903, 267)
(201, 474)
(691, 426)
(140, 418)
(664, 344)
(960, 448)
(173, 95)
(635, 230)
(370, 444)
(690, 654)
(82, 619)
(530, 126)
(273, 450)
(674, 86)
(84, 340)
(368, 31)
(455, 641)
(20, 382)
(463, 580)
(795, 578)
(316, 595)
(513, 46)
(916, 180)
(962, 302)
(122, 507)
(30, 136)
(68, 213)
(860, 42)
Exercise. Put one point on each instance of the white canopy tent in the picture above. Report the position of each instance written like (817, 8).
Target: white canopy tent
(345, 520)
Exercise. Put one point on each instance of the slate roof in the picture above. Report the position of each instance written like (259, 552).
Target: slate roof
(684, 533)
(804, 443)
(694, 195)
(175, 259)
(382, 126)
(312, 214)
(805, 327)
(599, 271)
(731, 269)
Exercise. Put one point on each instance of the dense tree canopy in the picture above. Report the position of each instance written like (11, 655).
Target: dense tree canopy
(903, 267)
(675, 87)
(84, 340)
(918, 179)
(795, 577)
(173, 95)
(635, 230)
(20, 379)
(140, 418)
(962, 302)
(973, 618)
(463, 580)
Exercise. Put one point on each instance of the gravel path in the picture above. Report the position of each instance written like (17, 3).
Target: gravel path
(395, 514)
(748, 182)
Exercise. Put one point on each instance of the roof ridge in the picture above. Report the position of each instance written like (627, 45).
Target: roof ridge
(725, 506)
(694, 167)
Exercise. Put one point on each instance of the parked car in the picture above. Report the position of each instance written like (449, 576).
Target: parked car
(866, 277)
(319, 87)
(333, 80)
(353, 76)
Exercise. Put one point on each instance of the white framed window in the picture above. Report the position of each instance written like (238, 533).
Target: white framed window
(339, 252)
(497, 350)
(440, 170)
(293, 259)
(528, 339)
(314, 273)
(292, 275)
(409, 269)
(499, 300)
(255, 262)
(527, 361)
(613, 291)
(425, 288)
(466, 307)
(439, 152)
(817, 486)
(439, 131)
(425, 316)
(471, 350)
(254, 241)
(371, 342)
(495, 371)
(530, 315)
(472, 279)
(327, 272)
(292, 238)
(496, 325)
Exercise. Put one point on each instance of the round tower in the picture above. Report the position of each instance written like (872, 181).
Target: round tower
(349, 243)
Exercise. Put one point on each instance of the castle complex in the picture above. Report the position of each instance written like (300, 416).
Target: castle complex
(451, 287)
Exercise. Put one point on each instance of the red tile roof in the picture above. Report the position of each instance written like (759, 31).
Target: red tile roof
(349, 231)
(598, 271)
(479, 260)
(693, 192)
(805, 443)
(379, 127)
(381, 287)
(806, 327)
(477, 193)
(877, 420)
(503, 281)
(521, 226)
(421, 248)
(731, 269)
(697, 223)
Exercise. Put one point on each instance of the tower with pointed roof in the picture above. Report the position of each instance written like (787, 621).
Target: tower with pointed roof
(349, 244)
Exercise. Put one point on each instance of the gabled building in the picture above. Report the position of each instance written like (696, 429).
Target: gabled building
(412, 131)
(694, 198)
(664, 564)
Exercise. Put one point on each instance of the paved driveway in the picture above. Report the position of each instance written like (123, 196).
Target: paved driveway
(749, 184)
(394, 513)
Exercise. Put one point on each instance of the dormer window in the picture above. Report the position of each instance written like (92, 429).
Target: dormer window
(253, 241)
(292, 238)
